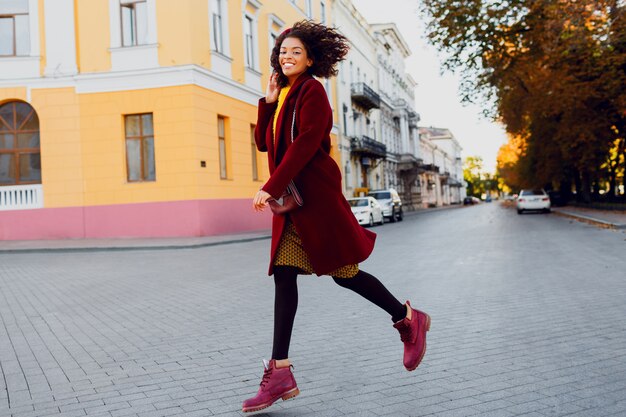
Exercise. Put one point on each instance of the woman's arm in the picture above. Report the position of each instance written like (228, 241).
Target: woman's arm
(264, 118)
(314, 120)
(267, 107)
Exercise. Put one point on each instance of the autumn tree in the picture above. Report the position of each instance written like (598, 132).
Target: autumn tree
(554, 72)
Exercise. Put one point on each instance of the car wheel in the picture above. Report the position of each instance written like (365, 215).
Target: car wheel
(520, 211)
(400, 216)
(371, 220)
(392, 219)
(547, 210)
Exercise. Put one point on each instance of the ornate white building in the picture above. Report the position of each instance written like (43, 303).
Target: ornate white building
(398, 118)
(358, 104)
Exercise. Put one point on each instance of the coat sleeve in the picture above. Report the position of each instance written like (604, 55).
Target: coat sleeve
(313, 120)
(264, 118)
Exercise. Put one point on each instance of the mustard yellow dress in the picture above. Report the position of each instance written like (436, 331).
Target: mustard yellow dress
(290, 250)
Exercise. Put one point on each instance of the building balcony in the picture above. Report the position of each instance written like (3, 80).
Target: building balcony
(454, 182)
(368, 147)
(364, 96)
(408, 162)
(431, 167)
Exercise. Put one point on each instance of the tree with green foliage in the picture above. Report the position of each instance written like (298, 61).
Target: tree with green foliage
(473, 175)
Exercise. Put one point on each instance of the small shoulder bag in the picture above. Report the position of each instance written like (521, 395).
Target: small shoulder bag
(291, 198)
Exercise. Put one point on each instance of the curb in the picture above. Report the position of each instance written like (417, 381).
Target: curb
(591, 220)
(432, 209)
(131, 248)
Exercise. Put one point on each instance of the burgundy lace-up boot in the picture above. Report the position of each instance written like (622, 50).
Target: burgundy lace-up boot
(413, 334)
(276, 383)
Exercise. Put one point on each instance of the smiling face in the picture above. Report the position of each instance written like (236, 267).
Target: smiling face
(293, 58)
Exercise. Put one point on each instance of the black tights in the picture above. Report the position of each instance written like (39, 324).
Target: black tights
(286, 302)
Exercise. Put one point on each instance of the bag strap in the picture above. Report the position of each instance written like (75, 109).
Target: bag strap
(293, 119)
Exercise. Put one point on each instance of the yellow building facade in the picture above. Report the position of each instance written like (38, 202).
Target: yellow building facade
(135, 118)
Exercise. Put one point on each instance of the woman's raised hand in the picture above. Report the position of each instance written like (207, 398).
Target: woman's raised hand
(271, 93)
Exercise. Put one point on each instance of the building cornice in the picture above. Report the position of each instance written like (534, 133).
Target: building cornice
(144, 79)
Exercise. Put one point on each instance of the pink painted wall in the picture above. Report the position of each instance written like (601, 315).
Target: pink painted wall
(167, 219)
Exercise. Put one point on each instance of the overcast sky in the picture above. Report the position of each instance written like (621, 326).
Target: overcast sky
(437, 98)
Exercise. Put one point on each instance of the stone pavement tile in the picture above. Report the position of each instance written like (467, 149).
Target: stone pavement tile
(386, 400)
(151, 398)
(324, 413)
(133, 410)
(174, 411)
(73, 413)
(123, 398)
(495, 413)
(460, 403)
(203, 405)
(496, 405)
(35, 413)
(411, 408)
(20, 409)
(527, 407)
(459, 412)
(561, 409)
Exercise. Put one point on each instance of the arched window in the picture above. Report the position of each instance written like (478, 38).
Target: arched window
(20, 157)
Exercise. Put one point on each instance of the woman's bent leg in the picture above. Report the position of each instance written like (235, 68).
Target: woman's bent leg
(411, 323)
(370, 288)
(285, 306)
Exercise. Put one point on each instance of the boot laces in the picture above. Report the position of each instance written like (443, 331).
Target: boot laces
(267, 374)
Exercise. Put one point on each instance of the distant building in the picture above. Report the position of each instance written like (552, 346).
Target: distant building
(441, 175)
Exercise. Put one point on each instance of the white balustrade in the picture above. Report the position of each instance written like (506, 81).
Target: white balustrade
(21, 197)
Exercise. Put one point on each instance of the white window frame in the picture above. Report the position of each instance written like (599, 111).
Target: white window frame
(308, 5)
(25, 66)
(274, 20)
(252, 20)
(115, 14)
(222, 7)
(252, 69)
(125, 58)
(249, 40)
(134, 26)
(12, 16)
(323, 12)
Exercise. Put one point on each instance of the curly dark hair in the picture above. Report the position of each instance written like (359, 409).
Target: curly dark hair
(324, 45)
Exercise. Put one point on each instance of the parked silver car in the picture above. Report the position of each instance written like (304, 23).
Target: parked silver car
(390, 202)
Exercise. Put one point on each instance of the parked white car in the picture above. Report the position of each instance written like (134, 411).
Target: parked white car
(535, 199)
(366, 210)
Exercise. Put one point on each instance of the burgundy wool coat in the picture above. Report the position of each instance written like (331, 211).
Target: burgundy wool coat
(330, 233)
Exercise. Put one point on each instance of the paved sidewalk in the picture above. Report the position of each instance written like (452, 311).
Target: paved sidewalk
(611, 219)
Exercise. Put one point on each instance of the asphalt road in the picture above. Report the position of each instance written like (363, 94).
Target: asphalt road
(527, 319)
